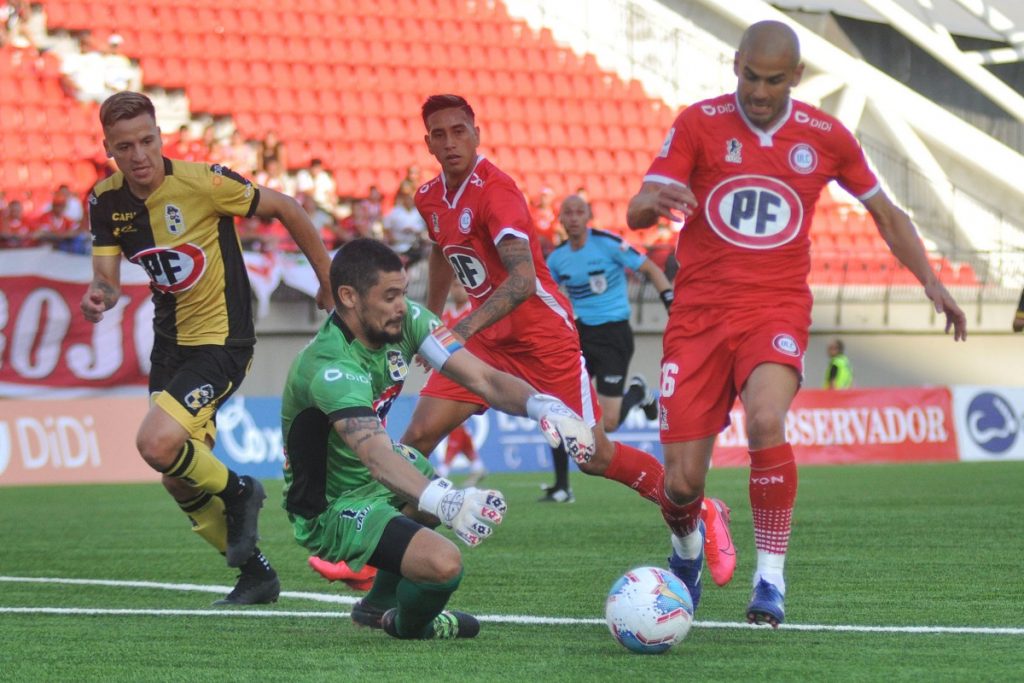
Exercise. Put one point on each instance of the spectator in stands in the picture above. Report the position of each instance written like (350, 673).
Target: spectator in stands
(546, 219)
(374, 205)
(186, 146)
(270, 149)
(354, 222)
(324, 222)
(83, 74)
(15, 15)
(404, 228)
(237, 153)
(274, 177)
(56, 228)
(318, 183)
(73, 207)
(1018, 317)
(839, 375)
(740, 322)
(203, 321)
(119, 74)
(15, 230)
(414, 175)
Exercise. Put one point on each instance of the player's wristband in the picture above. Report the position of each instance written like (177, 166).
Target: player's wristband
(667, 297)
(430, 499)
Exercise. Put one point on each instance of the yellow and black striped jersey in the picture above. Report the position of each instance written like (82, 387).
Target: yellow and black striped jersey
(184, 236)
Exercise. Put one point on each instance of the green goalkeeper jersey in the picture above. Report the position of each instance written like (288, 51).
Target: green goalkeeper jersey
(336, 377)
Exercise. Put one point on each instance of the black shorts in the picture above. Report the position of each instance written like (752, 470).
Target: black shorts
(191, 382)
(607, 349)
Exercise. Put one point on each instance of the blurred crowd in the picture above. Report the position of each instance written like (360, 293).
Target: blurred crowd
(392, 218)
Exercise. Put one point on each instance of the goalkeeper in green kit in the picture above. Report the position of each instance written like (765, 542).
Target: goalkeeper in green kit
(353, 495)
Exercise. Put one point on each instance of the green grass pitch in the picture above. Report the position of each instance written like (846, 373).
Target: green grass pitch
(902, 548)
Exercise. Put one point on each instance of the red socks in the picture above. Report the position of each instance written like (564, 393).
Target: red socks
(642, 472)
(773, 482)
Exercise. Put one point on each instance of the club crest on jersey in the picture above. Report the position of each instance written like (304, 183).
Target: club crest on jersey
(397, 369)
(784, 343)
(174, 220)
(465, 221)
(803, 158)
(733, 151)
(199, 397)
(598, 283)
(754, 211)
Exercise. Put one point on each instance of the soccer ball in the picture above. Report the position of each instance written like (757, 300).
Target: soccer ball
(648, 610)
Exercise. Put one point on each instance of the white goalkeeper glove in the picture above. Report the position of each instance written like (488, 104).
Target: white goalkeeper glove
(560, 425)
(468, 512)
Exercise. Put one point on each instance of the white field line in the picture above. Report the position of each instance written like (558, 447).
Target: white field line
(348, 600)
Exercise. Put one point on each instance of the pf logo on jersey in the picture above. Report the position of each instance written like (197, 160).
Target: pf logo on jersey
(469, 269)
(754, 211)
(174, 269)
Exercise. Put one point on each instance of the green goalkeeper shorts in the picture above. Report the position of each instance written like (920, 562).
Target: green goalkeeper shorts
(351, 526)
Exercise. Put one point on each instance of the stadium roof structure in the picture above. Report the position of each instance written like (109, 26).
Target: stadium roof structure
(931, 25)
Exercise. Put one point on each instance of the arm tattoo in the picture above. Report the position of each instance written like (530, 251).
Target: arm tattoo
(355, 431)
(109, 292)
(519, 286)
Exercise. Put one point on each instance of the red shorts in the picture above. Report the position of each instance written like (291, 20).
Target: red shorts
(459, 441)
(708, 354)
(561, 373)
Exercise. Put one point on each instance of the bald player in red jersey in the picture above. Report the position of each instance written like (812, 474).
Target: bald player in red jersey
(482, 232)
(746, 169)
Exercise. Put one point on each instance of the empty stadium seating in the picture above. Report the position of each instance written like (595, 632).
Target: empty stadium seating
(343, 80)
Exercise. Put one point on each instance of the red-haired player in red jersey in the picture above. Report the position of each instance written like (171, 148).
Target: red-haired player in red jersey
(746, 170)
(483, 235)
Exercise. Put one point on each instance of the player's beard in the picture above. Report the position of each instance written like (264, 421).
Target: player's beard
(379, 336)
(382, 337)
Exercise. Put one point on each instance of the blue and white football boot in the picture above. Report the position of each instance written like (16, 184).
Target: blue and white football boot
(767, 605)
(689, 571)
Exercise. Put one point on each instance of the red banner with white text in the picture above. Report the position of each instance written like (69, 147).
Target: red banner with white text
(47, 348)
(857, 426)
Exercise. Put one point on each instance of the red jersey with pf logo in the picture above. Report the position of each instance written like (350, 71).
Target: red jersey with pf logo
(748, 242)
(467, 223)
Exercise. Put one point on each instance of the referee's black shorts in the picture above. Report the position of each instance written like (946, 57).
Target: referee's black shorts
(607, 349)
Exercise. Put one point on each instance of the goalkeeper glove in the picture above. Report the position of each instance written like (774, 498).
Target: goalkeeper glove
(560, 425)
(468, 512)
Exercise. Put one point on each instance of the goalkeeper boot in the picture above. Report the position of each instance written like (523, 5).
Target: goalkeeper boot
(689, 571)
(447, 625)
(366, 614)
(253, 589)
(767, 605)
(242, 520)
(361, 580)
(719, 550)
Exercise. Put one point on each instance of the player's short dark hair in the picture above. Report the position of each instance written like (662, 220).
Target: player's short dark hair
(436, 103)
(125, 105)
(359, 263)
